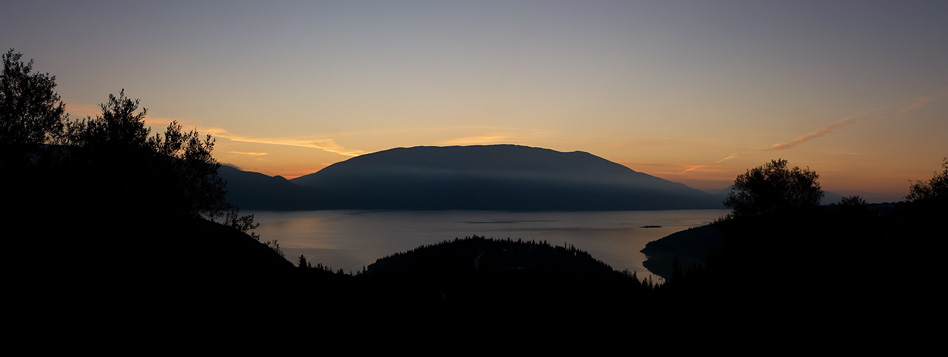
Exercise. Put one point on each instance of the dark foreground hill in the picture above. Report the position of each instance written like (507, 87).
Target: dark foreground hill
(504, 177)
(499, 275)
(195, 269)
(852, 265)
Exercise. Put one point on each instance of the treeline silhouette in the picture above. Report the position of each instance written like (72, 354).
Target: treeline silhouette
(847, 264)
(110, 218)
(488, 273)
(103, 213)
(475, 274)
(850, 263)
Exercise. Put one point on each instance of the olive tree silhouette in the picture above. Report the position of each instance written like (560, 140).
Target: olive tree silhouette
(773, 188)
(177, 167)
(31, 118)
(30, 110)
(934, 190)
(110, 163)
(117, 210)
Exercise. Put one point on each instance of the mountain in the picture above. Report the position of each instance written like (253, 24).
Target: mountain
(256, 191)
(501, 177)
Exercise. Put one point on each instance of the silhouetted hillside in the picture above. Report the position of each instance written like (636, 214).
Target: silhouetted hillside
(498, 276)
(866, 265)
(685, 248)
(505, 177)
(109, 265)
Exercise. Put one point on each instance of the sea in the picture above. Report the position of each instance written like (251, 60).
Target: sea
(351, 240)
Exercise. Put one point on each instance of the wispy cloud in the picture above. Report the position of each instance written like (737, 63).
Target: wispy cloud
(690, 168)
(669, 168)
(731, 156)
(495, 136)
(826, 129)
(478, 140)
(159, 123)
(328, 145)
(842, 123)
(248, 153)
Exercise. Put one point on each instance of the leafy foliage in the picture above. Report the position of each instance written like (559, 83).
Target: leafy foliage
(30, 110)
(177, 167)
(773, 188)
(854, 201)
(109, 164)
(936, 189)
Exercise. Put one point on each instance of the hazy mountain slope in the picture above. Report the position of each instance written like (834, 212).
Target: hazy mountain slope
(498, 177)
(256, 191)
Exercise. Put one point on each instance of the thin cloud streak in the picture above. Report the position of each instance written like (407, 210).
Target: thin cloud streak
(670, 169)
(248, 153)
(507, 136)
(477, 140)
(731, 156)
(841, 123)
(692, 168)
(826, 129)
(328, 145)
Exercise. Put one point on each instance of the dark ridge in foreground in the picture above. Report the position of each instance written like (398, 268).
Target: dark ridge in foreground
(685, 248)
(492, 273)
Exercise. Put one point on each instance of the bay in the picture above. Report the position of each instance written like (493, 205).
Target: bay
(351, 240)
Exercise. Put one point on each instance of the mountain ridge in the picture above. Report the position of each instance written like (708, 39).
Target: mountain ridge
(483, 177)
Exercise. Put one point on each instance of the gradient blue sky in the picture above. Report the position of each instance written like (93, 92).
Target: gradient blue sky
(691, 91)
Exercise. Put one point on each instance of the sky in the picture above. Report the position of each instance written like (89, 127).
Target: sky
(696, 92)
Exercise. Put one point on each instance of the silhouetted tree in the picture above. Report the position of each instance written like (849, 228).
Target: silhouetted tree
(189, 156)
(852, 202)
(855, 209)
(109, 163)
(935, 190)
(176, 166)
(119, 125)
(30, 110)
(773, 188)
(246, 224)
(302, 262)
(272, 244)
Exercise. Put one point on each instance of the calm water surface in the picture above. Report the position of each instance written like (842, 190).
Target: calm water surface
(351, 240)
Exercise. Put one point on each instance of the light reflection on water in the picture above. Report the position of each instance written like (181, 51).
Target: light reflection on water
(351, 240)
